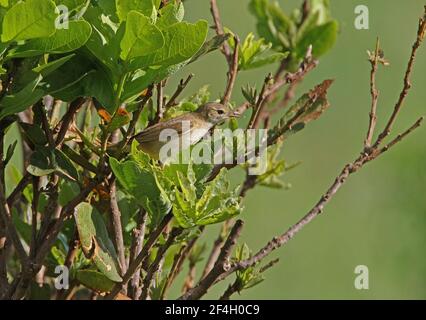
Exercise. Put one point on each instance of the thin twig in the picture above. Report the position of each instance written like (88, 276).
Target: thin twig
(68, 118)
(190, 277)
(135, 249)
(257, 110)
(219, 30)
(160, 102)
(23, 183)
(178, 261)
(221, 265)
(407, 83)
(4, 283)
(34, 218)
(6, 215)
(153, 269)
(118, 229)
(217, 245)
(236, 286)
(181, 86)
(374, 96)
(232, 73)
(135, 265)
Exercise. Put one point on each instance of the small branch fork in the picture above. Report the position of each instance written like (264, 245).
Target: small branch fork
(218, 273)
(226, 50)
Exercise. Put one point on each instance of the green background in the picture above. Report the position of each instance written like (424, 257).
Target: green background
(378, 218)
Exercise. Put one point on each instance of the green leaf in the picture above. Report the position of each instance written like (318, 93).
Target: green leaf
(62, 41)
(34, 133)
(65, 165)
(252, 54)
(216, 204)
(94, 280)
(275, 169)
(29, 20)
(104, 42)
(65, 82)
(120, 119)
(141, 38)
(146, 7)
(95, 241)
(99, 85)
(322, 39)
(210, 45)
(16, 176)
(272, 23)
(45, 161)
(170, 14)
(22, 227)
(47, 68)
(181, 42)
(307, 108)
(17, 102)
(9, 153)
(67, 191)
(72, 5)
(142, 183)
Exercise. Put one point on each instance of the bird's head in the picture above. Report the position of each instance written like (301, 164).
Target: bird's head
(215, 112)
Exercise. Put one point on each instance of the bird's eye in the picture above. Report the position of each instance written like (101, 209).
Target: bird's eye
(220, 111)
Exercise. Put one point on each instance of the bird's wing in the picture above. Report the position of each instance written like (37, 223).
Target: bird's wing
(152, 133)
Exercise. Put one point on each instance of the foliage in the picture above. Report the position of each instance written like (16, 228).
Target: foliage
(88, 197)
(295, 32)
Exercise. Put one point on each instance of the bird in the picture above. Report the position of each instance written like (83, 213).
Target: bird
(190, 127)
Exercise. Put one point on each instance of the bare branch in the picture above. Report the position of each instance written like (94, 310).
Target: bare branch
(219, 268)
(68, 119)
(181, 86)
(153, 269)
(141, 257)
(178, 261)
(407, 83)
(135, 249)
(232, 73)
(118, 229)
(374, 60)
(258, 108)
(219, 30)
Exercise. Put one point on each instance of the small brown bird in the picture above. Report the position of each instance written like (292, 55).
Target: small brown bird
(192, 126)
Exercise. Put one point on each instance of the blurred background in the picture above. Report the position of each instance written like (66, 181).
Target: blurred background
(378, 219)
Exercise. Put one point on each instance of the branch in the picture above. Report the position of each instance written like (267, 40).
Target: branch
(68, 119)
(221, 265)
(217, 245)
(23, 183)
(232, 73)
(135, 249)
(407, 83)
(178, 261)
(6, 216)
(182, 85)
(258, 108)
(236, 286)
(160, 103)
(153, 269)
(118, 229)
(219, 31)
(141, 257)
(374, 60)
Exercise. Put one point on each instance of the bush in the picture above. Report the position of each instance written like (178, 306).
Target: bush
(94, 214)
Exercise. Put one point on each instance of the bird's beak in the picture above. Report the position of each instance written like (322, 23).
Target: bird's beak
(234, 114)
